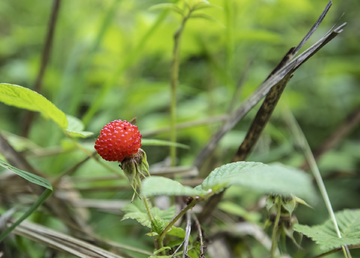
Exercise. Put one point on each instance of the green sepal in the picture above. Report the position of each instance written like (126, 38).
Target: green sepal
(289, 204)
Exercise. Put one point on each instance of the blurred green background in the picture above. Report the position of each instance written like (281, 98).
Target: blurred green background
(111, 60)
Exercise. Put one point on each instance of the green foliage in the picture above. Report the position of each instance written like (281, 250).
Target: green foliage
(21, 97)
(114, 64)
(136, 210)
(325, 236)
(27, 176)
(235, 209)
(276, 179)
(156, 185)
(15, 95)
(35, 180)
(75, 128)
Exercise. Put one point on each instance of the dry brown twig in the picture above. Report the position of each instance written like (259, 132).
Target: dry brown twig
(273, 80)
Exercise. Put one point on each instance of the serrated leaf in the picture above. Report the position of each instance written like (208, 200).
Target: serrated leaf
(27, 176)
(172, 7)
(18, 96)
(325, 235)
(158, 224)
(156, 185)
(75, 127)
(166, 215)
(273, 179)
(137, 211)
(154, 142)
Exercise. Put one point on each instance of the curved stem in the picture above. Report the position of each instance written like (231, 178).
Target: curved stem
(171, 224)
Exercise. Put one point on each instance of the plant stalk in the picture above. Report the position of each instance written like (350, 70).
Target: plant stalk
(300, 137)
(174, 76)
(275, 228)
(171, 224)
(147, 206)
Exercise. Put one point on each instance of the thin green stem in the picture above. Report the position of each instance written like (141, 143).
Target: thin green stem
(301, 139)
(275, 228)
(147, 206)
(174, 76)
(171, 224)
(42, 199)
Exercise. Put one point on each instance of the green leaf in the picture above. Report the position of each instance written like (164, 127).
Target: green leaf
(162, 249)
(137, 211)
(33, 179)
(205, 17)
(158, 225)
(274, 179)
(154, 142)
(178, 232)
(156, 185)
(75, 127)
(237, 210)
(172, 7)
(15, 95)
(325, 235)
(27, 176)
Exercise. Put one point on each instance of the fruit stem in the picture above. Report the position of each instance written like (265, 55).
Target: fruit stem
(174, 76)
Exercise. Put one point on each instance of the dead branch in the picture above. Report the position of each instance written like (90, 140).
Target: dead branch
(273, 79)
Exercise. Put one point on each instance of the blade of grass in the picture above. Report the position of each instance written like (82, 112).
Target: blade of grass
(40, 201)
(304, 145)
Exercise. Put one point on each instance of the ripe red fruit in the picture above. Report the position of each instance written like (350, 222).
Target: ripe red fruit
(118, 140)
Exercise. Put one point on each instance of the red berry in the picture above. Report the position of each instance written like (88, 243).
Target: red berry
(118, 140)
